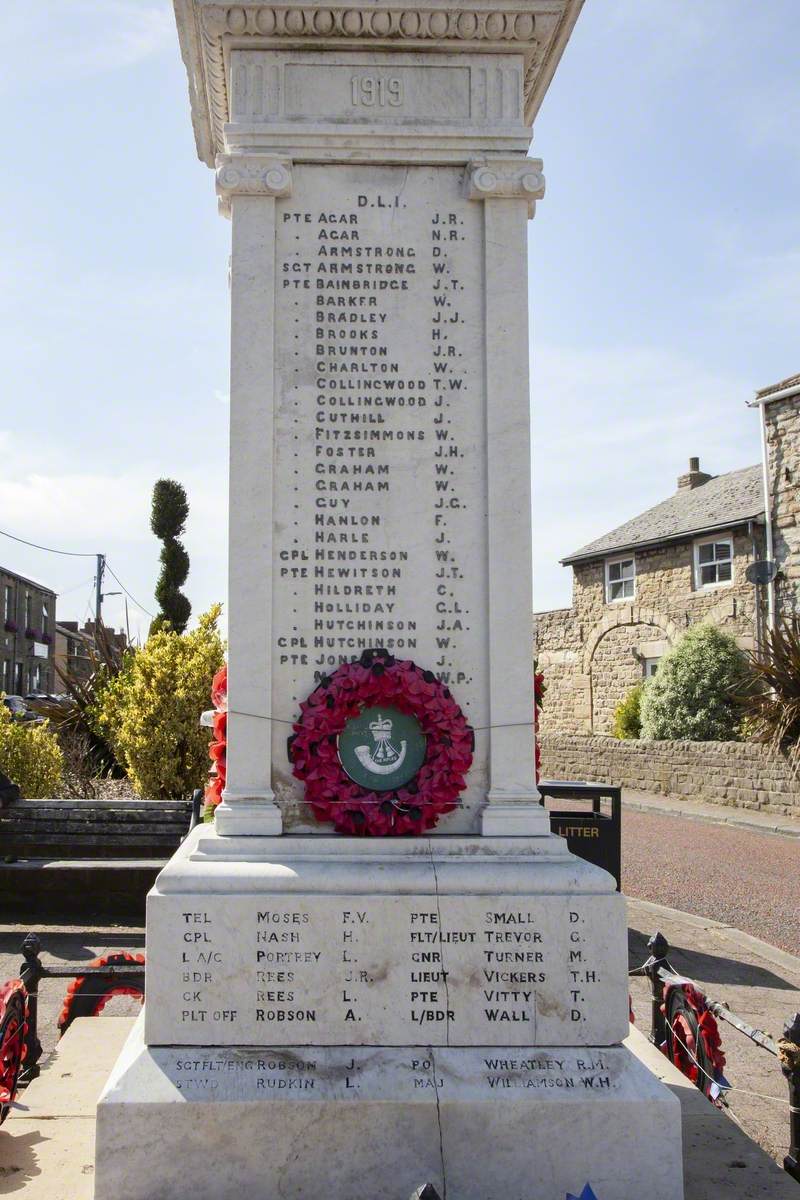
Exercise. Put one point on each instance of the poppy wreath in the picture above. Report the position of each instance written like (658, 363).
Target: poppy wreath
(693, 1042)
(13, 1040)
(218, 747)
(88, 995)
(379, 679)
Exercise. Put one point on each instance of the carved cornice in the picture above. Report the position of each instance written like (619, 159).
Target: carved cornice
(208, 30)
(499, 179)
(251, 175)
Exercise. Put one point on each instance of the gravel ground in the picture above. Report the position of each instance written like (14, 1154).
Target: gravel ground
(743, 878)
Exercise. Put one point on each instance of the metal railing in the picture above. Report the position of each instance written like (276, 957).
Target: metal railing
(786, 1049)
(33, 970)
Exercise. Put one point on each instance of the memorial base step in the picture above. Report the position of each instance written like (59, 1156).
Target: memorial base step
(479, 1123)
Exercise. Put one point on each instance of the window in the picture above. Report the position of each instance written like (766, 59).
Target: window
(5, 679)
(8, 603)
(45, 616)
(28, 611)
(620, 580)
(713, 562)
(650, 667)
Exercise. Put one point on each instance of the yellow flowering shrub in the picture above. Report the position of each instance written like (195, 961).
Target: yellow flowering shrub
(150, 712)
(30, 756)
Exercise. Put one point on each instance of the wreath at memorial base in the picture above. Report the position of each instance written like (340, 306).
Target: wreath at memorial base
(88, 995)
(693, 1042)
(435, 755)
(13, 1047)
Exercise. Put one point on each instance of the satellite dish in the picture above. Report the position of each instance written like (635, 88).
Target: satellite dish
(762, 571)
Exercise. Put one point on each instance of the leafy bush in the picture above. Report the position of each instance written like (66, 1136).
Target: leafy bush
(628, 715)
(692, 697)
(150, 712)
(771, 696)
(30, 756)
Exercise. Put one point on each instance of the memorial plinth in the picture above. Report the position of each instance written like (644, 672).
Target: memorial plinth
(339, 1015)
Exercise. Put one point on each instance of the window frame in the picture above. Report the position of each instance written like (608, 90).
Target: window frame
(612, 562)
(699, 586)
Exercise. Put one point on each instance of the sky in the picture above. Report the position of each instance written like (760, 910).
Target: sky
(664, 269)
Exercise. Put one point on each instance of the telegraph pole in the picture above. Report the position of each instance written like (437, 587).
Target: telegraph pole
(98, 595)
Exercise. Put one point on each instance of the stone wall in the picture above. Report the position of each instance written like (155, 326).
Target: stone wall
(593, 653)
(783, 441)
(742, 774)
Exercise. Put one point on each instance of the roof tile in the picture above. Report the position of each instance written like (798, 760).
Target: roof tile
(728, 499)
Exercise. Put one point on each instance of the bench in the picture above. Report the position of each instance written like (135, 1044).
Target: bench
(79, 858)
(93, 828)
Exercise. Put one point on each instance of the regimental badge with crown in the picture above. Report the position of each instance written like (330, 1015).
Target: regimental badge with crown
(383, 758)
(382, 748)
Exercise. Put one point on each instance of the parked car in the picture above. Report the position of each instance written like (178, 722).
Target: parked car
(19, 709)
(54, 708)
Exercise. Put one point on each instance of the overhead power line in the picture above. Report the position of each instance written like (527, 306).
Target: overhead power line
(78, 554)
(48, 549)
(128, 594)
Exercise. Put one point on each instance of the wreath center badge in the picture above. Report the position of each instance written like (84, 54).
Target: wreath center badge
(382, 747)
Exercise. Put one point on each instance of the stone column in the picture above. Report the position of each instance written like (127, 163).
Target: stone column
(247, 187)
(508, 189)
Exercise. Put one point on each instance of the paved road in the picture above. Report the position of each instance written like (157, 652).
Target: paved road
(747, 879)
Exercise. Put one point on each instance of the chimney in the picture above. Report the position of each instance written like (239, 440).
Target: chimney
(694, 476)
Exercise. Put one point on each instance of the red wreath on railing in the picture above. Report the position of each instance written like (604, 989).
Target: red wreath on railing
(88, 995)
(218, 747)
(539, 689)
(693, 1042)
(13, 1047)
(379, 679)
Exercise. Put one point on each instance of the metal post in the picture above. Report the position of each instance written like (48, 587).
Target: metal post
(659, 949)
(98, 594)
(790, 1065)
(30, 974)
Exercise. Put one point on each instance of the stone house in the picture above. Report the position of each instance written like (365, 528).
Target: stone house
(637, 588)
(26, 635)
(779, 407)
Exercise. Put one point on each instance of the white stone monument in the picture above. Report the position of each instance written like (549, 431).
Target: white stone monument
(334, 1015)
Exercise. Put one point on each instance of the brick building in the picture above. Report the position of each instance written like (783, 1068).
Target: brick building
(27, 635)
(75, 646)
(637, 588)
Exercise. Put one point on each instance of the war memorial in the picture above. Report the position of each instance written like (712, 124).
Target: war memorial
(378, 968)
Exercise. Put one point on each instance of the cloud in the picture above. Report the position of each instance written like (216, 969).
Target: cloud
(78, 38)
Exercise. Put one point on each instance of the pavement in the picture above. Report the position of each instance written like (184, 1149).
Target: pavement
(47, 1145)
(716, 814)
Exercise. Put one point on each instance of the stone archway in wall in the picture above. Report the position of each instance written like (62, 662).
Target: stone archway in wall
(610, 665)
